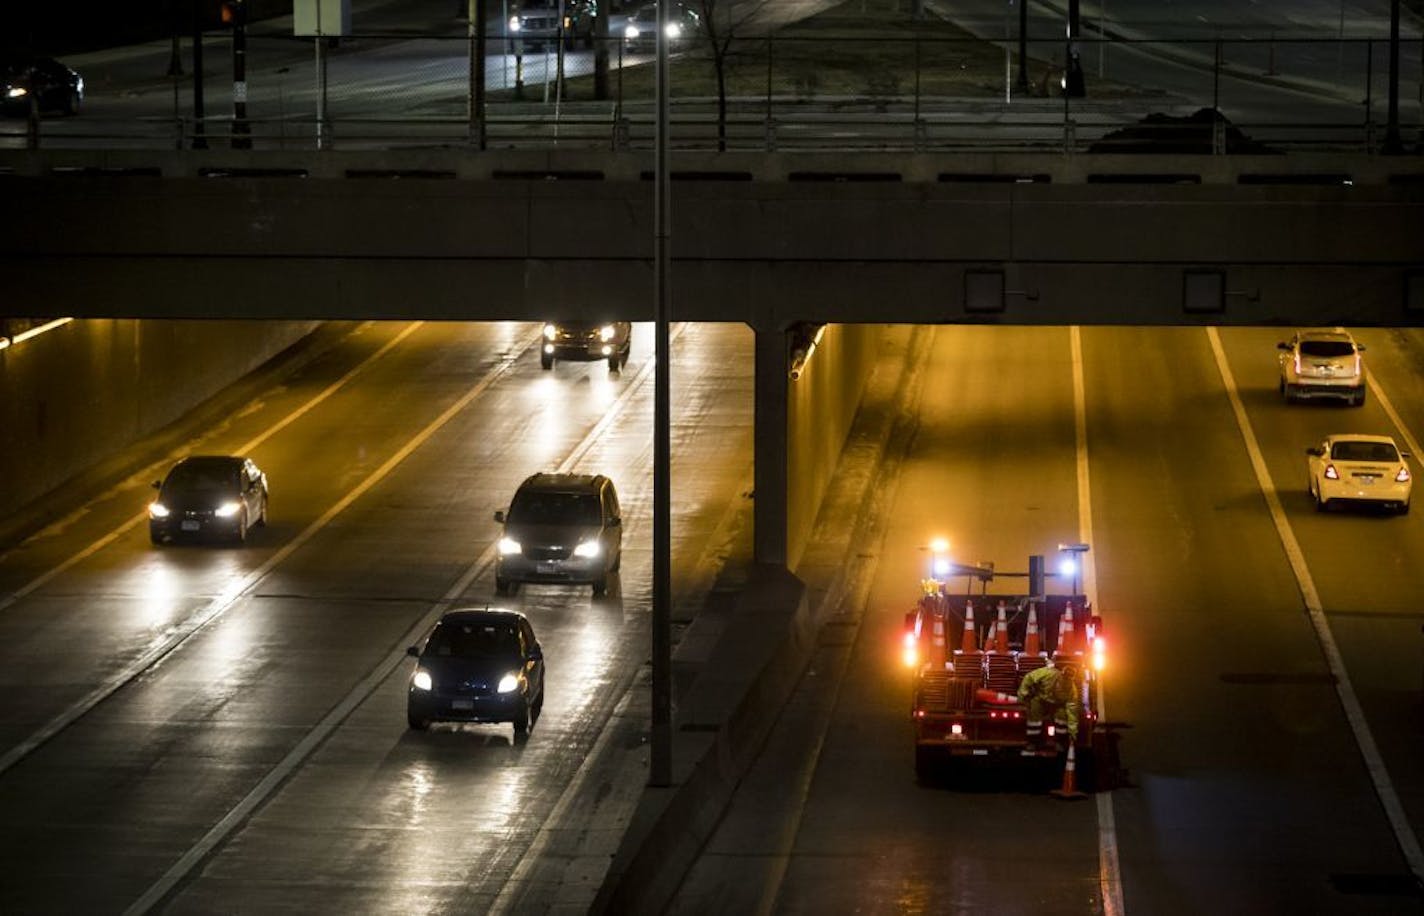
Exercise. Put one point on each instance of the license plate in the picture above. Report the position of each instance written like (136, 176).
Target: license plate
(462, 704)
(1366, 481)
(547, 566)
(190, 526)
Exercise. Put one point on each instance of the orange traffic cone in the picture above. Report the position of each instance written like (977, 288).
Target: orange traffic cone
(968, 643)
(989, 636)
(1001, 630)
(937, 657)
(1070, 785)
(1068, 636)
(1031, 646)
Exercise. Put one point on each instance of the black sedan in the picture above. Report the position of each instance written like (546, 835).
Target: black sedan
(222, 495)
(478, 666)
(39, 84)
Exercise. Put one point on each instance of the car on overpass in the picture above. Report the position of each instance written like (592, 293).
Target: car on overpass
(560, 528)
(537, 24)
(1322, 364)
(208, 495)
(587, 340)
(477, 666)
(641, 31)
(1359, 469)
(40, 84)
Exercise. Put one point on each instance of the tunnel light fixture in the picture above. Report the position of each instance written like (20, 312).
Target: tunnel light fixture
(7, 342)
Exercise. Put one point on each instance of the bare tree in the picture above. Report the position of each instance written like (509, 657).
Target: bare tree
(725, 22)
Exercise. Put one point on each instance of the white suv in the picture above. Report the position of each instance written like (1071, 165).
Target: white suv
(1322, 364)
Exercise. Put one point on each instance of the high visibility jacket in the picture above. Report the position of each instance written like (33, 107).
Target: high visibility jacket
(1049, 693)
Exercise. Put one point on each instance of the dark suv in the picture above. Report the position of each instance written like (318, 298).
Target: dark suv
(560, 528)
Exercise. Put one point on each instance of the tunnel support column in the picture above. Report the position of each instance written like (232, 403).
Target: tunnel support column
(769, 433)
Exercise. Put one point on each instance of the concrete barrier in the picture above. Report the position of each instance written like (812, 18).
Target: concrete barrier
(717, 732)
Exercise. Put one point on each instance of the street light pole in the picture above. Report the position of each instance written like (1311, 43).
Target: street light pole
(1023, 45)
(1392, 142)
(660, 768)
(240, 127)
(200, 140)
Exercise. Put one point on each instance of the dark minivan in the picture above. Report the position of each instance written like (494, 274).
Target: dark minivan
(560, 528)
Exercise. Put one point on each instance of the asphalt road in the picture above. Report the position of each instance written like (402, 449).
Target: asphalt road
(1250, 791)
(208, 727)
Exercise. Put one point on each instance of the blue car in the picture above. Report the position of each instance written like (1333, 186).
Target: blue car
(478, 666)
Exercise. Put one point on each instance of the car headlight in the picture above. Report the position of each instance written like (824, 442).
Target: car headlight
(588, 549)
(18, 92)
(631, 32)
(227, 510)
(157, 510)
(422, 680)
(509, 546)
(674, 30)
(606, 333)
(550, 332)
(514, 23)
(508, 684)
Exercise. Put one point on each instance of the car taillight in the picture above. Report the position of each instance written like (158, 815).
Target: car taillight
(1358, 368)
(1331, 473)
(1402, 476)
(1297, 362)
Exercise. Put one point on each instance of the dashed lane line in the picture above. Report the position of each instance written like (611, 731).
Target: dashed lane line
(279, 774)
(1109, 866)
(230, 595)
(1354, 712)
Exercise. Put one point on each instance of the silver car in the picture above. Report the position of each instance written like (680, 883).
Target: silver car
(1322, 364)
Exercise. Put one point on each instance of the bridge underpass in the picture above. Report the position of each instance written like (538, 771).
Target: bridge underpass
(1372, 281)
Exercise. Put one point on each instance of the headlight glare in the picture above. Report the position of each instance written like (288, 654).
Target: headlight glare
(631, 32)
(508, 684)
(550, 332)
(606, 333)
(422, 680)
(588, 549)
(509, 547)
(227, 510)
(157, 510)
(18, 92)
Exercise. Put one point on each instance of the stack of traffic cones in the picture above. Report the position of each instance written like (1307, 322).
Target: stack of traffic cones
(1000, 673)
(968, 660)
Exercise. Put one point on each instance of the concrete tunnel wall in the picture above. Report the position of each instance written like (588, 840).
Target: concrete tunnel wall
(820, 407)
(71, 397)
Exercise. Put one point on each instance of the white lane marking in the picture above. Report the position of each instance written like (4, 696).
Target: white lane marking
(1384, 402)
(230, 595)
(1109, 866)
(358, 694)
(246, 447)
(1354, 712)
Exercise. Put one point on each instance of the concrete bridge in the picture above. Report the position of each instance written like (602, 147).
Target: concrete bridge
(776, 241)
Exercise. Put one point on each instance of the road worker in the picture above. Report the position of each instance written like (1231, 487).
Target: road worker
(1051, 693)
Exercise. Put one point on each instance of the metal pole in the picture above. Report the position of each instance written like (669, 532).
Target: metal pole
(318, 42)
(660, 769)
(477, 73)
(199, 140)
(1392, 142)
(1023, 45)
(240, 128)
